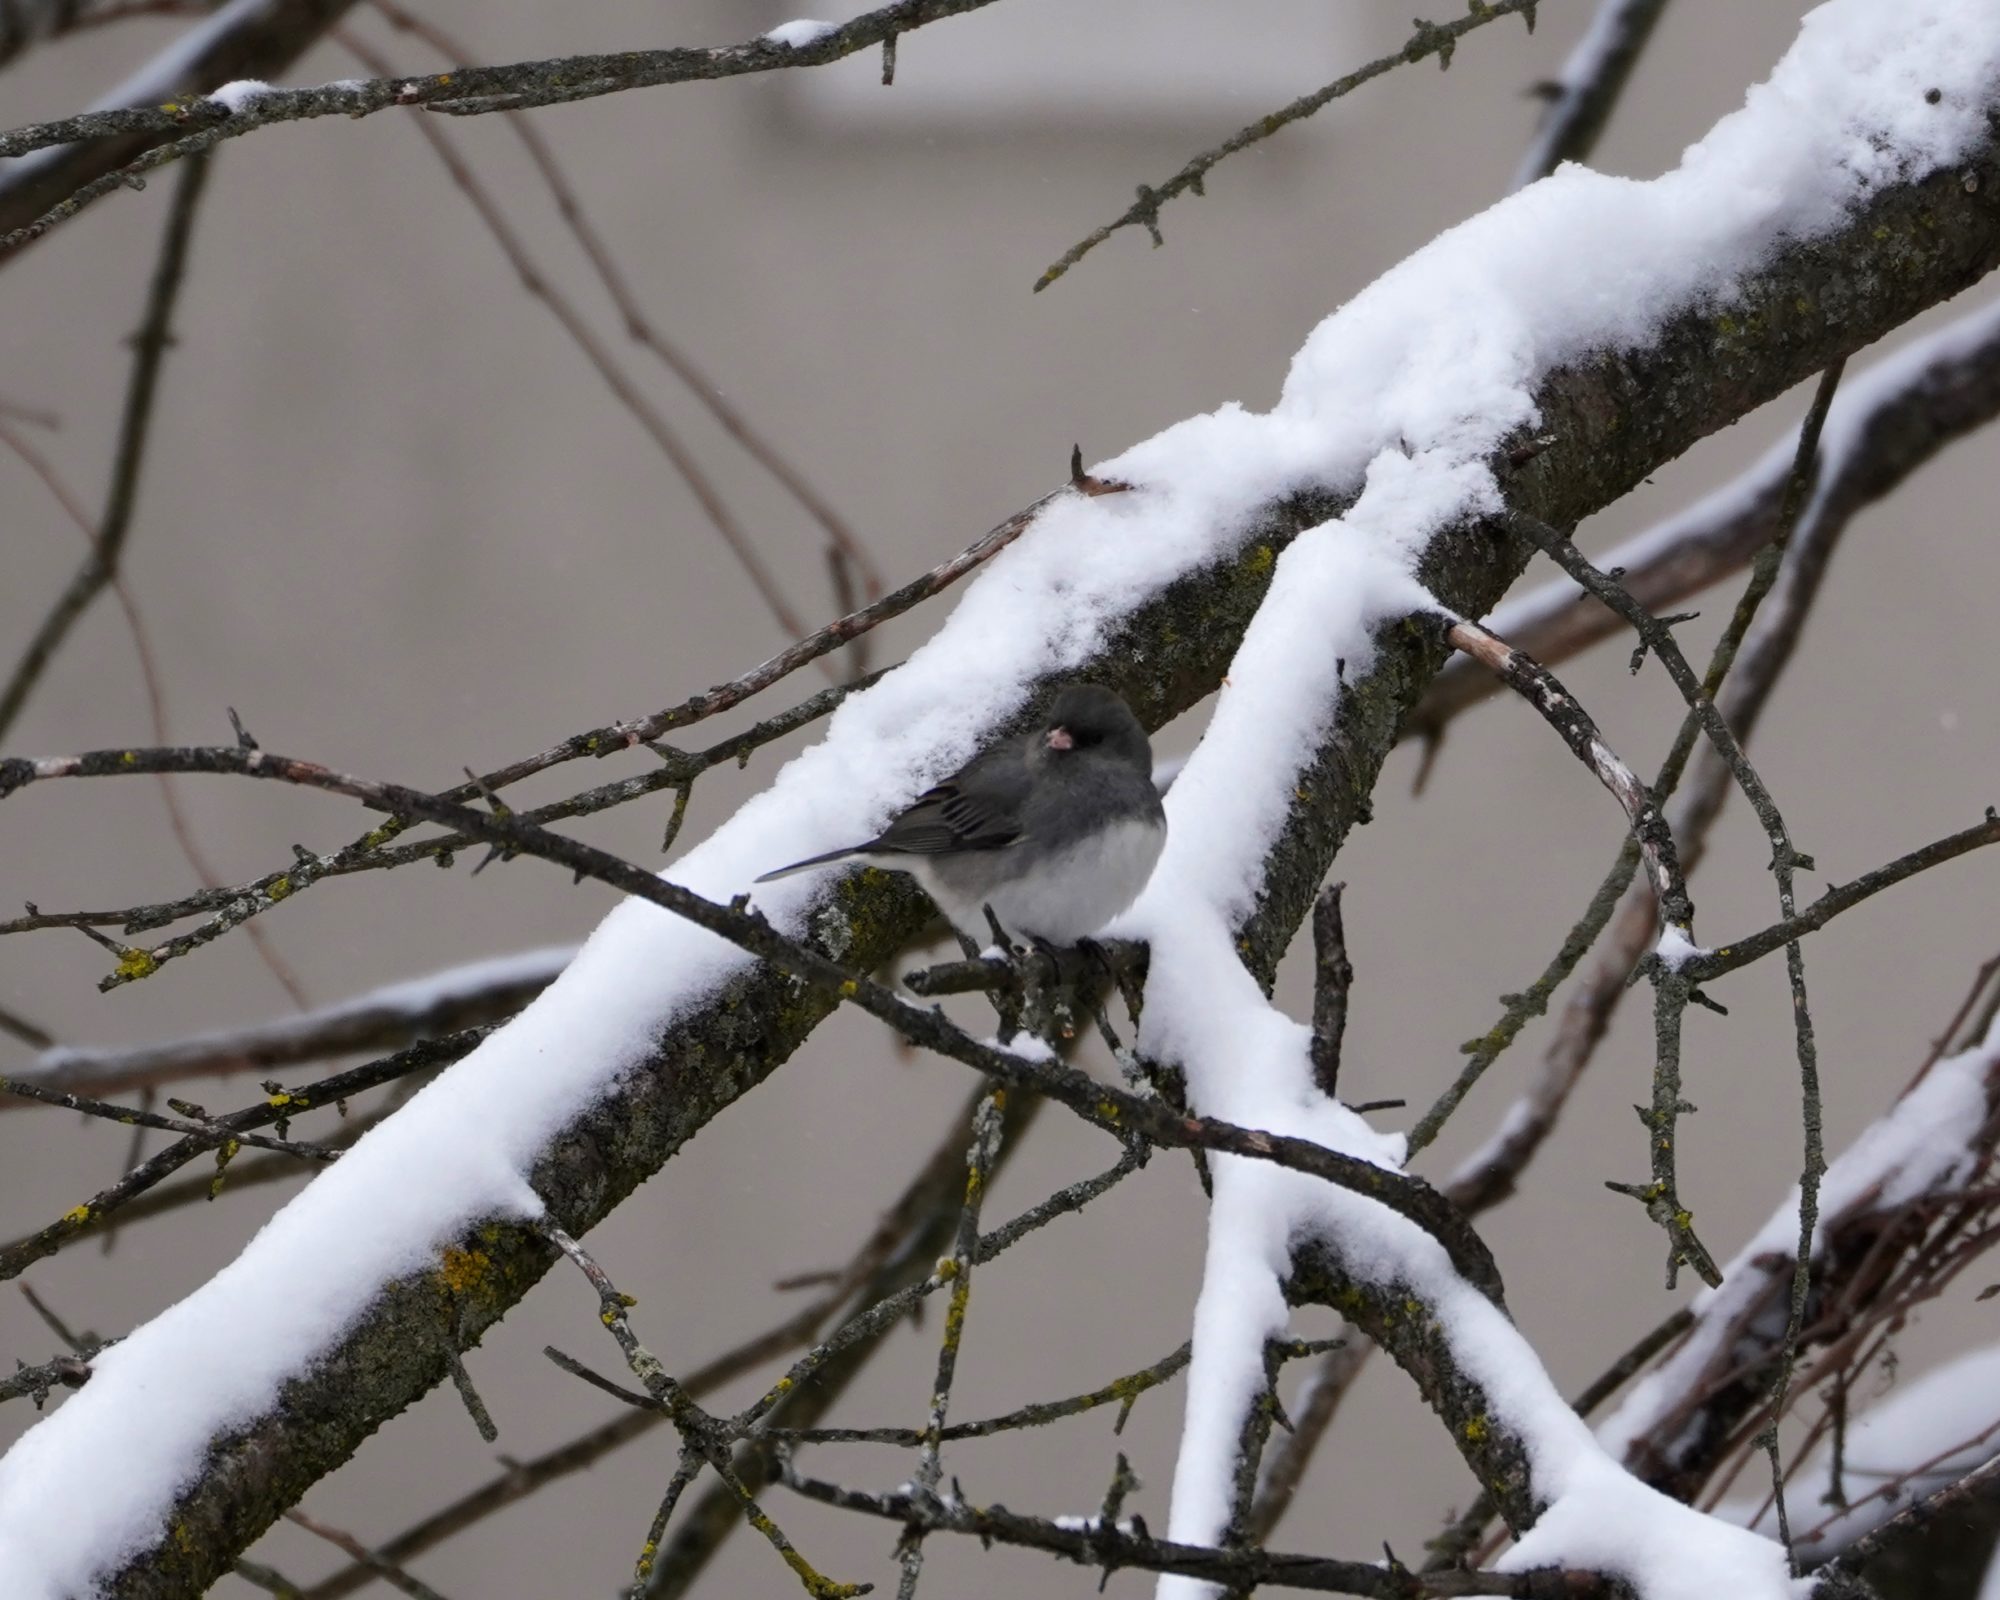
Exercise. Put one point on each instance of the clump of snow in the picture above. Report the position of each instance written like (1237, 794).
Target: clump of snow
(1401, 395)
(1675, 949)
(797, 35)
(239, 93)
(1922, 1146)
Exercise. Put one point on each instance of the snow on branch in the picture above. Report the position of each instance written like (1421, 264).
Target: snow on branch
(1548, 314)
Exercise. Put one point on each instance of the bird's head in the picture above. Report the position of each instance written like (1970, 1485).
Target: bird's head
(1089, 717)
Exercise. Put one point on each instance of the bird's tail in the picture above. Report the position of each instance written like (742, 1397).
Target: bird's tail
(809, 862)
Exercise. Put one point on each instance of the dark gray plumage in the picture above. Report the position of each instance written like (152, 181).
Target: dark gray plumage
(1056, 829)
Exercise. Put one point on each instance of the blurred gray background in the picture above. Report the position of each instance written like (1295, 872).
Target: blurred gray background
(393, 517)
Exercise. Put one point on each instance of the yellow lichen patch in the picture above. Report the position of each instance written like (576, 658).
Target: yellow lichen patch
(136, 963)
(1259, 558)
(279, 887)
(279, 1100)
(76, 1216)
(1476, 1430)
(463, 1271)
(130, 758)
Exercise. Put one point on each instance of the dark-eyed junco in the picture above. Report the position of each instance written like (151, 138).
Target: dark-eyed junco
(1056, 829)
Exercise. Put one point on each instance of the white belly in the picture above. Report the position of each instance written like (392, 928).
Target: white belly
(1066, 897)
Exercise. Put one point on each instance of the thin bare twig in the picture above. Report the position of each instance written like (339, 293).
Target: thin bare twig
(641, 329)
(376, 1563)
(17, 1256)
(701, 1431)
(149, 348)
(1563, 712)
(1333, 978)
(231, 907)
(156, 700)
(986, 1124)
(1429, 39)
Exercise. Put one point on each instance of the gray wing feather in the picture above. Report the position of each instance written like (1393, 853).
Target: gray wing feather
(948, 818)
(979, 809)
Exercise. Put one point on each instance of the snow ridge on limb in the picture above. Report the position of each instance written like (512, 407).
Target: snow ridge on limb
(1498, 329)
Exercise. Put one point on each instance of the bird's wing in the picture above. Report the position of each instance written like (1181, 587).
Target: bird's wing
(980, 809)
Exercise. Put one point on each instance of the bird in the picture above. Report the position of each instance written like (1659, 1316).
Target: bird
(1055, 830)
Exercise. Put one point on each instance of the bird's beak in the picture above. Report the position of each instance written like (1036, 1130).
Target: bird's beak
(1059, 739)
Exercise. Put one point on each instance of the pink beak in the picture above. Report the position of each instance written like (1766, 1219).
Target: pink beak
(1059, 739)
